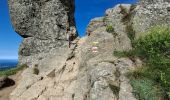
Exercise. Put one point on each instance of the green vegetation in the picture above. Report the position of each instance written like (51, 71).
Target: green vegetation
(126, 19)
(110, 29)
(145, 89)
(154, 50)
(124, 53)
(12, 71)
(130, 31)
(123, 10)
(36, 70)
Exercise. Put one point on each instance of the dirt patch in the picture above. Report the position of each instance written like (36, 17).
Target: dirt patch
(10, 86)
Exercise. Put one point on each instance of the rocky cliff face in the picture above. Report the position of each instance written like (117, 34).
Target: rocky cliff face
(43, 24)
(150, 13)
(88, 70)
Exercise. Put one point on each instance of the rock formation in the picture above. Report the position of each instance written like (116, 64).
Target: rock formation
(150, 13)
(44, 25)
(88, 70)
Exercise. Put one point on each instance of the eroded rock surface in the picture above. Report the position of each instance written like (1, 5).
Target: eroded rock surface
(86, 71)
(44, 25)
(150, 13)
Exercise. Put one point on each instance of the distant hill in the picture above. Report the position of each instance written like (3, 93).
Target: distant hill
(8, 63)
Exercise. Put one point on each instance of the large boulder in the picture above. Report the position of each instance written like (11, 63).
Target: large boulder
(43, 24)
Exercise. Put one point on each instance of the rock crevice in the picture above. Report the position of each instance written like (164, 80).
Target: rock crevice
(88, 70)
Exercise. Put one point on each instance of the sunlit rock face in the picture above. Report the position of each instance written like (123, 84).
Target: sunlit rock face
(150, 13)
(88, 70)
(43, 24)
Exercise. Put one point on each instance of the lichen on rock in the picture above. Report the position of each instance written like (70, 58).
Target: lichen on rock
(88, 70)
(43, 24)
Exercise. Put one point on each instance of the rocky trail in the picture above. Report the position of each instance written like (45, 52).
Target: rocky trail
(72, 78)
(88, 70)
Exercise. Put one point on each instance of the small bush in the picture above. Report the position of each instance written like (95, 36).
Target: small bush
(35, 69)
(154, 50)
(13, 71)
(145, 89)
(155, 47)
(110, 29)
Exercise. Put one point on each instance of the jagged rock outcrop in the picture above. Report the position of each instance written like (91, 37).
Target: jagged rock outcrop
(114, 18)
(86, 71)
(43, 24)
(150, 13)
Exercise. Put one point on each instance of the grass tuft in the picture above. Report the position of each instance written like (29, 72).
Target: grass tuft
(110, 29)
(145, 89)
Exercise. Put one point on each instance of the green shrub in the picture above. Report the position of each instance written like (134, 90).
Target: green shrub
(13, 71)
(110, 29)
(154, 50)
(145, 89)
(36, 70)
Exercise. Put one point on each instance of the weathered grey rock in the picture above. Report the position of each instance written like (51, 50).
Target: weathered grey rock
(99, 76)
(114, 17)
(125, 65)
(150, 13)
(43, 25)
(27, 80)
(88, 70)
(94, 24)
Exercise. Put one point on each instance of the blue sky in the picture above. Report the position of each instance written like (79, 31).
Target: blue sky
(85, 11)
(89, 9)
(9, 40)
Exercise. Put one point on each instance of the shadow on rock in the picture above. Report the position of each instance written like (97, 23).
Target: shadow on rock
(6, 82)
